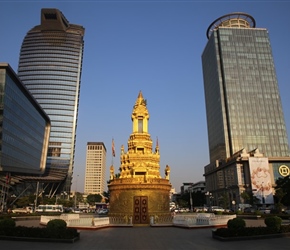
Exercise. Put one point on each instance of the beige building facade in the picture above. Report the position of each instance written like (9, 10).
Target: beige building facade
(95, 176)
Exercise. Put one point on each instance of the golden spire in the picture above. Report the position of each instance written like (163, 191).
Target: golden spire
(138, 191)
(140, 115)
(139, 161)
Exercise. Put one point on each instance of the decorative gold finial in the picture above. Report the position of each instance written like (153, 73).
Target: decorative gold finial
(167, 172)
(112, 172)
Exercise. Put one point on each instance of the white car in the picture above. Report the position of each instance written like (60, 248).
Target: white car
(200, 209)
(216, 209)
(25, 210)
(103, 211)
(264, 210)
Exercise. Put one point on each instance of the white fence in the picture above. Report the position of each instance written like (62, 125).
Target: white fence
(189, 220)
(75, 220)
(202, 219)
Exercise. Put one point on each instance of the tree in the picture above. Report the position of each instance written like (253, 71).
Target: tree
(279, 194)
(106, 195)
(183, 200)
(224, 200)
(25, 200)
(246, 197)
(282, 190)
(93, 198)
(198, 199)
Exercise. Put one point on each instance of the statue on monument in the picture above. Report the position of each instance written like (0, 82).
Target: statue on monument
(167, 172)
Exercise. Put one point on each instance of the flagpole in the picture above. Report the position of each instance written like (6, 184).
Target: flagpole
(113, 152)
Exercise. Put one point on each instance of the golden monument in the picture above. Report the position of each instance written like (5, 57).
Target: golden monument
(138, 193)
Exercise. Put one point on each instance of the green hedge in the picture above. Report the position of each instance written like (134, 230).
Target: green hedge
(56, 224)
(7, 223)
(236, 223)
(273, 222)
(251, 231)
(38, 232)
(56, 229)
(237, 227)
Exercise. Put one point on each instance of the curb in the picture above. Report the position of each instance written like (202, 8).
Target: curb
(255, 237)
(39, 239)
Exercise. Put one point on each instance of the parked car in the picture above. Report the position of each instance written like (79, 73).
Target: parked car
(77, 211)
(216, 209)
(264, 210)
(181, 210)
(249, 210)
(24, 210)
(200, 209)
(103, 211)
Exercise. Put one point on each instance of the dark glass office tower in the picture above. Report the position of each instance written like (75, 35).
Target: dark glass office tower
(243, 105)
(50, 67)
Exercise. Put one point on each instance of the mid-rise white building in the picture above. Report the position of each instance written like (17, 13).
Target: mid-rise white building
(95, 168)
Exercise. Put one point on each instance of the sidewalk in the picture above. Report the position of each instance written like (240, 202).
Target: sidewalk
(148, 238)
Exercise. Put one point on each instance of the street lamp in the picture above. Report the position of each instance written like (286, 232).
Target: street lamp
(190, 198)
(209, 195)
(63, 194)
(262, 189)
(76, 191)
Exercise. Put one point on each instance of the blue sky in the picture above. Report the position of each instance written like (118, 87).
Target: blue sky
(155, 47)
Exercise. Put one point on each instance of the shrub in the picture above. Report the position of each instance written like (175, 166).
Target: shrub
(257, 212)
(56, 224)
(236, 223)
(239, 212)
(7, 223)
(40, 232)
(247, 231)
(285, 228)
(273, 222)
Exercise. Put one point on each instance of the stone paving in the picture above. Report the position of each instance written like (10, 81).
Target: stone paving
(149, 238)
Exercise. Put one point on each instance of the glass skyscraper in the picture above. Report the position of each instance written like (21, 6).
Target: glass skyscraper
(24, 127)
(24, 136)
(50, 67)
(243, 105)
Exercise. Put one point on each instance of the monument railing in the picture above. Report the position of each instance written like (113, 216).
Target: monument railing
(161, 219)
(75, 220)
(186, 220)
(201, 219)
(118, 220)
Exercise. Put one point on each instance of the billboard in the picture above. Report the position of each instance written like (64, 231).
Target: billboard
(261, 179)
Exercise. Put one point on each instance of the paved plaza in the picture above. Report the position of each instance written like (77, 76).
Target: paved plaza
(151, 238)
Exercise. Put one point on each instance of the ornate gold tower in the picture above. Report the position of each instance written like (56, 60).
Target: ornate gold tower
(139, 192)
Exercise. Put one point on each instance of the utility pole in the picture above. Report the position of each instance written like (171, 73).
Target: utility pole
(36, 196)
(76, 191)
(190, 197)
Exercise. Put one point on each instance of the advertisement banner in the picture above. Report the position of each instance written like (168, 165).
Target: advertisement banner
(261, 179)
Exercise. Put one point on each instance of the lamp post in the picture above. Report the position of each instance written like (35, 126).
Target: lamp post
(209, 195)
(262, 189)
(190, 198)
(63, 194)
(36, 196)
(56, 198)
(76, 191)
